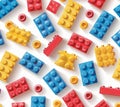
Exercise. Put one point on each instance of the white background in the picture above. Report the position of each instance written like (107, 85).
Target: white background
(104, 75)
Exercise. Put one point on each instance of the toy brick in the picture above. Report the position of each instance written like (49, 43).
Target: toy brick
(88, 73)
(102, 25)
(72, 100)
(102, 103)
(31, 62)
(66, 60)
(6, 6)
(38, 101)
(52, 45)
(54, 81)
(34, 5)
(20, 36)
(17, 87)
(6, 65)
(18, 104)
(116, 38)
(79, 42)
(53, 6)
(116, 74)
(1, 39)
(69, 14)
(97, 3)
(109, 91)
(105, 55)
(117, 10)
(1, 105)
(44, 25)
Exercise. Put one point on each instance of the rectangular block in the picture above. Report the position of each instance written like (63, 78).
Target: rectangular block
(102, 25)
(88, 73)
(18, 104)
(102, 103)
(52, 45)
(31, 62)
(6, 6)
(117, 10)
(17, 87)
(44, 25)
(1, 39)
(79, 42)
(54, 81)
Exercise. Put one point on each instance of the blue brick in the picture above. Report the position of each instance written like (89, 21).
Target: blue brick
(44, 25)
(116, 38)
(54, 81)
(1, 39)
(31, 62)
(88, 74)
(102, 25)
(7, 6)
(38, 101)
(117, 10)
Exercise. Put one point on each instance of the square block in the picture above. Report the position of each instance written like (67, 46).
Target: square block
(31, 62)
(44, 25)
(117, 10)
(97, 3)
(38, 101)
(17, 87)
(79, 42)
(102, 25)
(18, 104)
(105, 55)
(73, 100)
(54, 81)
(34, 5)
(102, 103)
(116, 38)
(7, 6)
(1, 39)
(53, 6)
(88, 73)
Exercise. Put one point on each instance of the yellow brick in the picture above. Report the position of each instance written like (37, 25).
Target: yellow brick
(117, 105)
(69, 14)
(57, 103)
(16, 34)
(0, 105)
(105, 55)
(66, 60)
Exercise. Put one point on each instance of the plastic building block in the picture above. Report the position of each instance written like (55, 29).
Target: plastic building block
(20, 36)
(38, 88)
(69, 14)
(116, 38)
(83, 24)
(88, 95)
(79, 42)
(6, 65)
(57, 103)
(52, 45)
(117, 105)
(109, 91)
(36, 44)
(66, 60)
(72, 100)
(7, 6)
(116, 74)
(53, 6)
(102, 103)
(88, 73)
(34, 5)
(17, 87)
(0, 105)
(97, 3)
(18, 104)
(102, 25)
(90, 14)
(105, 55)
(22, 17)
(31, 62)
(54, 81)
(44, 25)
(62, 0)
(117, 10)
(38, 101)
(73, 79)
(1, 39)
